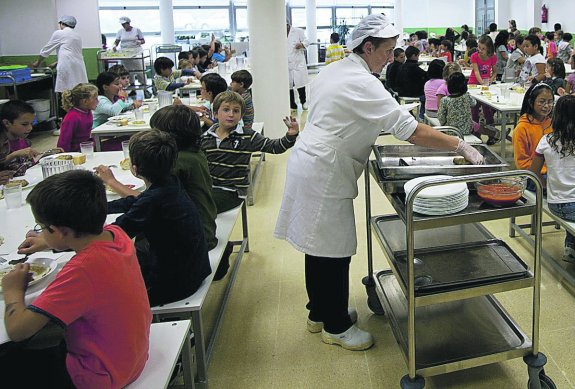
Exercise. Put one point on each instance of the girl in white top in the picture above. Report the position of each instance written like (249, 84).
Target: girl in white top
(534, 65)
(557, 150)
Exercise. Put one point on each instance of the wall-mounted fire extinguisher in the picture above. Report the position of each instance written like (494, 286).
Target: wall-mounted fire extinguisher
(544, 13)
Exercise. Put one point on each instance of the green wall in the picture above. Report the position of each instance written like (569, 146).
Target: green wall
(439, 31)
(90, 56)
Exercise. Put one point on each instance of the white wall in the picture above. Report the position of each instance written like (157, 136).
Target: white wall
(438, 13)
(88, 17)
(561, 11)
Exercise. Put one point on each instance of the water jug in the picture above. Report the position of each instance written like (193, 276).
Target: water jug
(164, 98)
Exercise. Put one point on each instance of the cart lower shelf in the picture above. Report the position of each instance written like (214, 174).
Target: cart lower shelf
(454, 335)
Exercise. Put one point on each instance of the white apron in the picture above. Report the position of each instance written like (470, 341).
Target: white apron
(297, 66)
(346, 117)
(71, 70)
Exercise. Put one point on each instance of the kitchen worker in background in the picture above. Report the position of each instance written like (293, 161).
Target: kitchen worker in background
(70, 67)
(131, 38)
(297, 66)
(349, 107)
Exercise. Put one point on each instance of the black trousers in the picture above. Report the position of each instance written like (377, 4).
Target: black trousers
(302, 97)
(327, 284)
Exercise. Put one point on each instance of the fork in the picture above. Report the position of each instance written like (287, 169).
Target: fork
(21, 260)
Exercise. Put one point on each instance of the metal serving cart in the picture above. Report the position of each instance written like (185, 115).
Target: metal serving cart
(446, 269)
(107, 58)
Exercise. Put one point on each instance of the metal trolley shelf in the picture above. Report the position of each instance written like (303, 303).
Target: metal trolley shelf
(444, 272)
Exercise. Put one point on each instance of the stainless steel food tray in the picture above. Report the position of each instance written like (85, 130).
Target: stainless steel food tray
(404, 162)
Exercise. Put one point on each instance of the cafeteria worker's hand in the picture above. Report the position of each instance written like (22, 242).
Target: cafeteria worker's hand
(17, 278)
(5, 176)
(105, 174)
(469, 153)
(33, 244)
(292, 125)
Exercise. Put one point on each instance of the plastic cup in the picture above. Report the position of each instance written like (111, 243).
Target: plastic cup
(152, 107)
(126, 148)
(13, 194)
(87, 148)
(139, 114)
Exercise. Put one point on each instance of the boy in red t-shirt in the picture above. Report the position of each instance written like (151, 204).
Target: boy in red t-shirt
(98, 297)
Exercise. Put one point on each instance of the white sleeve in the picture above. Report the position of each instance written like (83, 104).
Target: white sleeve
(542, 145)
(119, 35)
(54, 42)
(139, 34)
(303, 39)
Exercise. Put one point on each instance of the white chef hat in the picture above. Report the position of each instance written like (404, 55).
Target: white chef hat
(68, 20)
(374, 25)
(125, 19)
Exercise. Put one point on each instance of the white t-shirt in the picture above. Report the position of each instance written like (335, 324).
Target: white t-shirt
(529, 68)
(560, 173)
(129, 39)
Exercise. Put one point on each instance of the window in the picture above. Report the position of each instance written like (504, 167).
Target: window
(352, 16)
(201, 19)
(241, 18)
(147, 20)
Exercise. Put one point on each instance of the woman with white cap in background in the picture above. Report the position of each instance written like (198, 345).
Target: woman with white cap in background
(349, 107)
(70, 67)
(129, 37)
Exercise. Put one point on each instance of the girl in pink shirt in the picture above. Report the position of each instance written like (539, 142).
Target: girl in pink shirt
(435, 74)
(77, 124)
(483, 65)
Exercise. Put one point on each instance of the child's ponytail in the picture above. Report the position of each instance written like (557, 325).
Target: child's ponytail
(73, 97)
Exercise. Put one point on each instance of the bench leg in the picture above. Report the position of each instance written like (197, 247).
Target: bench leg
(187, 364)
(201, 357)
(245, 226)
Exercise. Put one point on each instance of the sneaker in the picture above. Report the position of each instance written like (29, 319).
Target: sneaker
(569, 254)
(353, 339)
(304, 106)
(56, 132)
(316, 326)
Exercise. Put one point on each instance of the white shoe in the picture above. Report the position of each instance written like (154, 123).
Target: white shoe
(304, 106)
(56, 132)
(316, 326)
(353, 339)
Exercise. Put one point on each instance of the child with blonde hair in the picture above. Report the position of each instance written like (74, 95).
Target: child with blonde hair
(448, 70)
(77, 124)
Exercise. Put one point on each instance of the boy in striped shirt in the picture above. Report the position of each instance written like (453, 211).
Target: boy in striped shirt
(334, 51)
(241, 82)
(228, 147)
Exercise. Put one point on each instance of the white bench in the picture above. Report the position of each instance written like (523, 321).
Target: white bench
(557, 223)
(167, 341)
(192, 305)
(254, 172)
(403, 100)
(469, 139)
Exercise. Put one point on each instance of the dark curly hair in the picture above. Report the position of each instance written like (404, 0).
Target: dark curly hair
(562, 139)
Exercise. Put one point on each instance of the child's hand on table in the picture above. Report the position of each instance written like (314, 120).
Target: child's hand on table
(17, 278)
(5, 176)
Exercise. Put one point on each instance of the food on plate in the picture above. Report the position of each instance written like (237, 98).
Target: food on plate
(460, 161)
(138, 122)
(125, 164)
(519, 89)
(76, 159)
(123, 122)
(484, 87)
(64, 157)
(16, 182)
(37, 270)
(472, 86)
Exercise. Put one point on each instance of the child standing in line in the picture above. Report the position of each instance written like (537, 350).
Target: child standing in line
(564, 47)
(334, 52)
(435, 73)
(166, 77)
(99, 296)
(241, 82)
(169, 235)
(555, 74)
(77, 124)
(16, 155)
(483, 73)
(455, 109)
(228, 148)
(557, 151)
(534, 123)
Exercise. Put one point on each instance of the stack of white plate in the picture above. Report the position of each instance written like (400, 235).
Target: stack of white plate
(438, 200)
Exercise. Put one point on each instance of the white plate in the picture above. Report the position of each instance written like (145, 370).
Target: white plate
(134, 124)
(32, 180)
(152, 100)
(72, 154)
(435, 191)
(437, 212)
(50, 265)
(117, 119)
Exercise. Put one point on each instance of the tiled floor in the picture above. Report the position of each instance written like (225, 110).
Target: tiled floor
(263, 341)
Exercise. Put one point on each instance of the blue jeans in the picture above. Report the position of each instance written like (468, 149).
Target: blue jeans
(565, 211)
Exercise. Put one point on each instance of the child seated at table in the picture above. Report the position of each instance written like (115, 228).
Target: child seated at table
(411, 78)
(77, 124)
(564, 47)
(16, 155)
(166, 77)
(164, 220)
(124, 74)
(515, 61)
(534, 123)
(470, 48)
(448, 70)
(98, 297)
(434, 73)
(445, 49)
(109, 103)
(212, 85)
(455, 109)
(393, 69)
(228, 148)
(555, 74)
(241, 82)
(557, 151)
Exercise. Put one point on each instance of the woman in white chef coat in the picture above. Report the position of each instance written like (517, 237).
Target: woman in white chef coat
(70, 68)
(297, 67)
(131, 38)
(349, 107)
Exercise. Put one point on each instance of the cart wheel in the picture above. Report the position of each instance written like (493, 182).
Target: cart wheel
(372, 300)
(544, 381)
(408, 383)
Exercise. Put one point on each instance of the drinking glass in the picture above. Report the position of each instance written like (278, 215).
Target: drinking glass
(139, 114)
(13, 194)
(126, 148)
(87, 148)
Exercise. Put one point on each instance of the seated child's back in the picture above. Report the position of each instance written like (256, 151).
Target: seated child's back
(455, 109)
(77, 124)
(169, 236)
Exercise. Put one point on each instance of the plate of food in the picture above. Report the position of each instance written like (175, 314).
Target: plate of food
(40, 268)
(152, 100)
(472, 86)
(76, 158)
(117, 119)
(138, 123)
